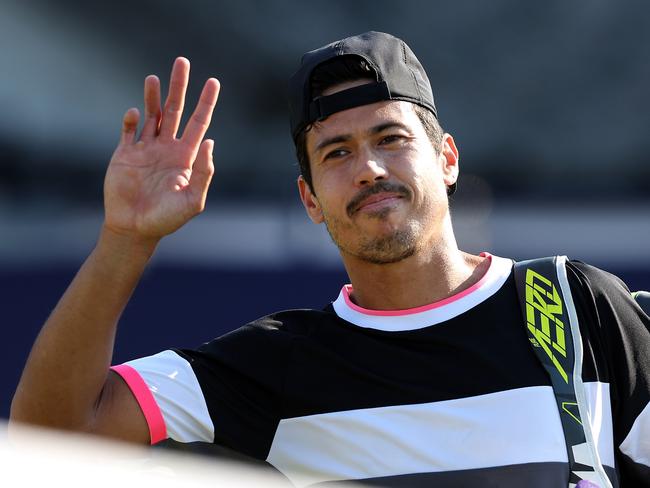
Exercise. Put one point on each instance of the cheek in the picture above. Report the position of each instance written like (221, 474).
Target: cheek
(430, 188)
(330, 190)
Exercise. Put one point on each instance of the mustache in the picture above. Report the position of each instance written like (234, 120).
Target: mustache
(379, 187)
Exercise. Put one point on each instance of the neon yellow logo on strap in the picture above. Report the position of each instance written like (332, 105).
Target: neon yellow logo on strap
(543, 312)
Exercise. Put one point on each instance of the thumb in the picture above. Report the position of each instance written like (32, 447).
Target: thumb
(202, 171)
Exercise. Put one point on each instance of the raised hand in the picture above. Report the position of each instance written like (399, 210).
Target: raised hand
(157, 182)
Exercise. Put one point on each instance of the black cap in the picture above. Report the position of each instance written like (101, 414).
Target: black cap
(398, 76)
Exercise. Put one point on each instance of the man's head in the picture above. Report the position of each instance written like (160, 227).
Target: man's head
(366, 102)
(392, 72)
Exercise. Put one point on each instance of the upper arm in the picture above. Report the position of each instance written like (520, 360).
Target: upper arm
(118, 413)
(226, 392)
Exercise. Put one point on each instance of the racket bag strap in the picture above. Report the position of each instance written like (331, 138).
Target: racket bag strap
(643, 299)
(552, 327)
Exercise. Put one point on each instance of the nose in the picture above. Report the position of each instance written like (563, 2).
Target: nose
(369, 168)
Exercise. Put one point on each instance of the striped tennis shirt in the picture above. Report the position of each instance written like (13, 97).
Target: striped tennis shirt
(447, 395)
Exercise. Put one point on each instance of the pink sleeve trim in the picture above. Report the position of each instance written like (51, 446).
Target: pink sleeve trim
(144, 397)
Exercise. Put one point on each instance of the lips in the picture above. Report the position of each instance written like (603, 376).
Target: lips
(374, 195)
(375, 200)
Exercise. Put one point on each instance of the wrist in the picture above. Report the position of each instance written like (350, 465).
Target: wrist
(131, 247)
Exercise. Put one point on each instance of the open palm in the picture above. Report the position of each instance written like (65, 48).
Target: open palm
(157, 182)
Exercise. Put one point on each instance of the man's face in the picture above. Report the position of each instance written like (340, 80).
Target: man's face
(378, 183)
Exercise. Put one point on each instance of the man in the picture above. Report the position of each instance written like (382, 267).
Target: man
(420, 372)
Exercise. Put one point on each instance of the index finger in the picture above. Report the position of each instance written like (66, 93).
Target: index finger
(199, 122)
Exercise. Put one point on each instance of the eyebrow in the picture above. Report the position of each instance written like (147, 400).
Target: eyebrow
(372, 131)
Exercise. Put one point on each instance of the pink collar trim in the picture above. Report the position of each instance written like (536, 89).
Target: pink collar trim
(426, 315)
(347, 291)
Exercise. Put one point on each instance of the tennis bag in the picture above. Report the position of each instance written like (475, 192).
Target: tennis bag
(552, 325)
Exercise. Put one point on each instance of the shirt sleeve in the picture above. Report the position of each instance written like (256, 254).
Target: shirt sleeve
(228, 391)
(620, 335)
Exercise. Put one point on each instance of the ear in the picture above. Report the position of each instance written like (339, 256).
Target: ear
(449, 157)
(310, 202)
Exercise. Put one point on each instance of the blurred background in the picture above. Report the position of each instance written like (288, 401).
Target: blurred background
(548, 102)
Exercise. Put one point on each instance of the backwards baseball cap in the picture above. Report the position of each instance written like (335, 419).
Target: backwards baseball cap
(398, 76)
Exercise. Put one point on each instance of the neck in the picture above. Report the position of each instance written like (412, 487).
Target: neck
(435, 272)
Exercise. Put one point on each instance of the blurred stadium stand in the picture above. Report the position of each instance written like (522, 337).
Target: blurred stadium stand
(548, 103)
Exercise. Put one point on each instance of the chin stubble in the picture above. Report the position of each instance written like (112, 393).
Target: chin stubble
(390, 249)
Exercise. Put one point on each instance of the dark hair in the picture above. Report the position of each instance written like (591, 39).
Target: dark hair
(350, 68)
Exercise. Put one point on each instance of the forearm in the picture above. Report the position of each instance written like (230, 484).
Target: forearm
(68, 365)
(155, 183)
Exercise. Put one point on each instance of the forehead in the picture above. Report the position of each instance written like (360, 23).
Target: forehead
(358, 121)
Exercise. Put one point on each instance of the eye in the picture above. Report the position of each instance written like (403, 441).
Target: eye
(336, 153)
(389, 139)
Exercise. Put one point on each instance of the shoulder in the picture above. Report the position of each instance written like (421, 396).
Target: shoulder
(284, 324)
(271, 334)
(603, 290)
(608, 301)
(594, 285)
(292, 322)
(599, 281)
(606, 291)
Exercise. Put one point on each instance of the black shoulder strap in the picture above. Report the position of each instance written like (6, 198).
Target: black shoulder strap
(551, 322)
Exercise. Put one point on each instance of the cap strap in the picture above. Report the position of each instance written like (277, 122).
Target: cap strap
(322, 107)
